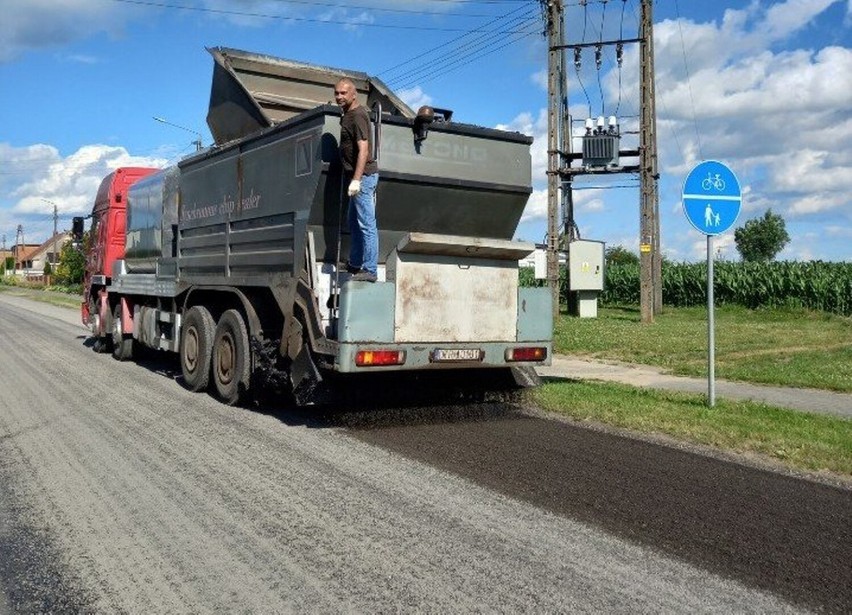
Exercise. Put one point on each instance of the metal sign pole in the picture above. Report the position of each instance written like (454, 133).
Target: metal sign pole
(712, 200)
(711, 334)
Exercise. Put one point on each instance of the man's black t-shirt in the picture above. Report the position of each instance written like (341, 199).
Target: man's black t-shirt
(354, 127)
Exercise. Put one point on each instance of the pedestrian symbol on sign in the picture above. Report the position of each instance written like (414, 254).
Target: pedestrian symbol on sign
(711, 218)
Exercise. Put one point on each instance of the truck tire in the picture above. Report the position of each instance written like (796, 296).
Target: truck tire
(231, 358)
(122, 344)
(103, 343)
(196, 347)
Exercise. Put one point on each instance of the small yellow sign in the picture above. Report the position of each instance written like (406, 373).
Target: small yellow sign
(645, 247)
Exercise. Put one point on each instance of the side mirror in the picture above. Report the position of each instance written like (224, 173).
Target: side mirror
(77, 228)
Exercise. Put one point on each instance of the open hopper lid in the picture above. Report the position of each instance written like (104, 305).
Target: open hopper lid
(251, 92)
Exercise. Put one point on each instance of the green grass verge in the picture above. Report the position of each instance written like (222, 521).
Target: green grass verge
(45, 296)
(786, 347)
(799, 440)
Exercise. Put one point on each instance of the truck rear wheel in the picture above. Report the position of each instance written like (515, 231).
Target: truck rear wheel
(196, 347)
(122, 344)
(102, 332)
(231, 358)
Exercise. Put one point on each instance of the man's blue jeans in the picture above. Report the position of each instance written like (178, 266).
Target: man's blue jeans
(363, 235)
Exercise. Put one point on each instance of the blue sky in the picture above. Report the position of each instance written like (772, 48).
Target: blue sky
(764, 86)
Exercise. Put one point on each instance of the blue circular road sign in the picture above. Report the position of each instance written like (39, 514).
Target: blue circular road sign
(712, 197)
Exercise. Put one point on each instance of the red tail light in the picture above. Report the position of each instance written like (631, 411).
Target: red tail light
(531, 353)
(369, 358)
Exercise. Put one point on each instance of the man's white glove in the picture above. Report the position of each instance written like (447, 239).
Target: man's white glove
(354, 187)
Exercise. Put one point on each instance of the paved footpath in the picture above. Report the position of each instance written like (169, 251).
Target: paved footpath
(808, 400)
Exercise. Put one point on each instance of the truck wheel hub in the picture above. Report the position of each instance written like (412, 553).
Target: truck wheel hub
(191, 349)
(225, 362)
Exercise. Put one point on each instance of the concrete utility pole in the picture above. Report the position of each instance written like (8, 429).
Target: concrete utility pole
(19, 250)
(4, 255)
(650, 259)
(555, 77)
(55, 223)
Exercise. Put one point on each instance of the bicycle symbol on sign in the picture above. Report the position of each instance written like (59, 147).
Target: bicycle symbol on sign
(713, 182)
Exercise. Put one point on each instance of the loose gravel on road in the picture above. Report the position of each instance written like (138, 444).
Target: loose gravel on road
(145, 497)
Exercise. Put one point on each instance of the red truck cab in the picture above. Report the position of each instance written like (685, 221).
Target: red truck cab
(106, 243)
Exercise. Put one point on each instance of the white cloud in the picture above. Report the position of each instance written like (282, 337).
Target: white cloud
(415, 97)
(536, 207)
(46, 24)
(40, 178)
(246, 13)
(781, 118)
(786, 18)
(540, 79)
(833, 230)
(350, 21)
(592, 205)
(537, 128)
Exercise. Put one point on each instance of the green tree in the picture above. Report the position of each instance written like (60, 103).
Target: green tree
(72, 265)
(619, 255)
(10, 263)
(48, 270)
(760, 239)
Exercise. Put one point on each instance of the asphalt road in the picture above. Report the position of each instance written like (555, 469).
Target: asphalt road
(120, 491)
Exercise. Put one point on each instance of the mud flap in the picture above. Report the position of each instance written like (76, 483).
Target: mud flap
(305, 377)
(525, 376)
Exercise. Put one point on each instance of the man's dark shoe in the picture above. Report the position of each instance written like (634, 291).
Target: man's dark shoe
(351, 269)
(364, 276)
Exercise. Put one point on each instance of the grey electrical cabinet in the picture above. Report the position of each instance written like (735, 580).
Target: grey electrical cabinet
(585, 275)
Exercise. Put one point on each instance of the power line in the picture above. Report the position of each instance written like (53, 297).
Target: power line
(465, 60)
(577, 67)
(688, 80)
(438, 13)
(481, 1)
(290, 17)
(479, 42)
(598, 60)
(598, 45)
(619, 54)
(442, 45)
(632, 110)
(483, 44)
(469, 50)
(581, 187)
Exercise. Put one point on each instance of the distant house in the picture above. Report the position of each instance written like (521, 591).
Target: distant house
(31, 259)
(21, 252)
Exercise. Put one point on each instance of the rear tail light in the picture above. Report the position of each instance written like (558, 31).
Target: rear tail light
(531, 353)
(369, 358)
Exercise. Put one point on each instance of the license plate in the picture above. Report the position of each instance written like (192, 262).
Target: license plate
(440, 355)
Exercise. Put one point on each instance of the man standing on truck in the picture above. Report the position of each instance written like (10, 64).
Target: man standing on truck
(362, 172)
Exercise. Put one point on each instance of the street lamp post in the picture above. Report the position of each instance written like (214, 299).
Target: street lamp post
(55, 222)
(197, 142)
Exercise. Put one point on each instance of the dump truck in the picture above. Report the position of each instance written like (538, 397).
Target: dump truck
(232, 257)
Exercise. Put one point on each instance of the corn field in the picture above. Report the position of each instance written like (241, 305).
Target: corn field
(815, 285)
